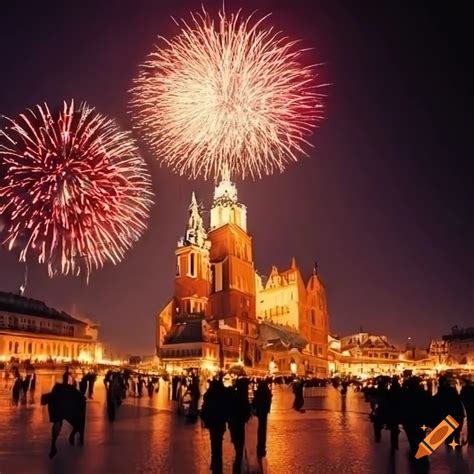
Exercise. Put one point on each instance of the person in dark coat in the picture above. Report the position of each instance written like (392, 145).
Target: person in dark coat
(393, 417)
(467, 398)
(214, 414)
(83, 385)
(16, 390)
(298, 401)
(65, 403)
(416, 412)
(262, 401)
(32, 387)
(195, 393)
(447, 401)
(91, 378)
(66, 375)
(240, 411)
(379, 411)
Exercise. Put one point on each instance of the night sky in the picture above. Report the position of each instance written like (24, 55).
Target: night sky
(383, 203)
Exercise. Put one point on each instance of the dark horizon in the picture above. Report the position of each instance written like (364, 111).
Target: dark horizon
(383, 204)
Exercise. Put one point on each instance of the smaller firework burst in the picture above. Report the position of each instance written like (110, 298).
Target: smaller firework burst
(74, 190)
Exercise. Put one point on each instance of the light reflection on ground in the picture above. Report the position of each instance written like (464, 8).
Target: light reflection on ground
(332, 436)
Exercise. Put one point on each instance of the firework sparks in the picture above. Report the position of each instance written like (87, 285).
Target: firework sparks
(73, 188)
(228, 95)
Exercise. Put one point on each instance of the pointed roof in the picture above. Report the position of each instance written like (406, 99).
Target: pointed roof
(195, 232)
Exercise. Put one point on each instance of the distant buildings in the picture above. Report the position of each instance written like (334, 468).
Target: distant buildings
(31, 330)
(364, 354)
(224, 314)
(460, 346)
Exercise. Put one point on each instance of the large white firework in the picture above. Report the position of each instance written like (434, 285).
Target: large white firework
(229, 95)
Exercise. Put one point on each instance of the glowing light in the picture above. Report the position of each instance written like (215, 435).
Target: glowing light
(85, 357)
(228, 95)
(73, 188)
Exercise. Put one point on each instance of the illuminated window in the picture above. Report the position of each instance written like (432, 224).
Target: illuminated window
(178, 267)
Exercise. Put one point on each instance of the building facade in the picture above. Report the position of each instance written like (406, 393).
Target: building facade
(460, 346)
(365, 355)
(30, 330)
(216, 282)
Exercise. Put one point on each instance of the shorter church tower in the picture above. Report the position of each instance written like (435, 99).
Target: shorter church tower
(192, 282)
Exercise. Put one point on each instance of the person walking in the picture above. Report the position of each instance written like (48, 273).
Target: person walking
(262, 401)
(240, 411)
(467, 398)
(214, 415)
(298, 391)
(448, 402)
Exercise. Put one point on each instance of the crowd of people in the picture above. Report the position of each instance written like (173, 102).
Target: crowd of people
(231, 408)
(227, 402)
(22, 387)
(416, 404)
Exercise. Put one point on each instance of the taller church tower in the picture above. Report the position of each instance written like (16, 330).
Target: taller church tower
(232, 296)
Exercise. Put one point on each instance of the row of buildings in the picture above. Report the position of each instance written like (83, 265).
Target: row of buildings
(225, 314)
(30, 330)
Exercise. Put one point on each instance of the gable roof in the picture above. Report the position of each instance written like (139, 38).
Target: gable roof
(12, 303)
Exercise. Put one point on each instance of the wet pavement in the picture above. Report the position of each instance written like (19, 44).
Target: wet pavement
(333, 436)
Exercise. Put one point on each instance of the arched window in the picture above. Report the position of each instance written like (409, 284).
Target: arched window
(30, 348)
(16, 348)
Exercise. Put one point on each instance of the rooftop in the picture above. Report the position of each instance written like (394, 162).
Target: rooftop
(12, 303)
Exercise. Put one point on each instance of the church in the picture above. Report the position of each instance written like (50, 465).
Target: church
(224, 314)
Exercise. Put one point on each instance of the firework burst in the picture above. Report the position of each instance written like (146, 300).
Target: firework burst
(73, 188)
(227, 95)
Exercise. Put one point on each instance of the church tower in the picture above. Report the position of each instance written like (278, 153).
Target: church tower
(232, 296)
(192, 282)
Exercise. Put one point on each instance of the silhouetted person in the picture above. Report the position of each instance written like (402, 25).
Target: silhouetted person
(140, 385)
(467, 398)
(393, 416)
(214, 416)
(262, 401)
(66, 375)
(379, 411)
(91, 378)
(298, 401)
(239, 414)
(447, 401)
(33, 387)
(416, 412)
(16, 390)
(83, 385)
(195, 394)
(24, 388)
(65, 403)
(150, 388)
(345, 384)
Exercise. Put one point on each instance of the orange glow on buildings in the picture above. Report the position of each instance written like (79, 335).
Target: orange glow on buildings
(223, 313)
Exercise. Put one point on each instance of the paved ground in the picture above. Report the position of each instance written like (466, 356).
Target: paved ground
(148, 437)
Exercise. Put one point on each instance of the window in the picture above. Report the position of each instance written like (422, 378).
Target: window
(192, 265)
(320, 350)
(313, 317)
(178, 267)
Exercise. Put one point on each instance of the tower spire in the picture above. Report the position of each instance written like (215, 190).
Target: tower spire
(195, 232)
